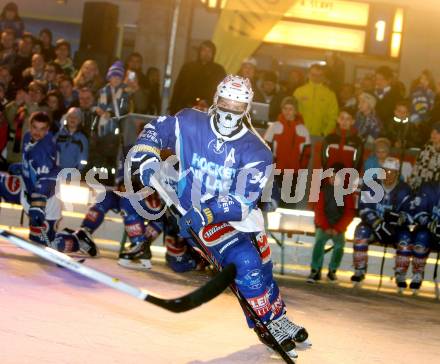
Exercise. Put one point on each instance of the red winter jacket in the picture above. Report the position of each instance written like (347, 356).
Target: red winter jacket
(325, 212)
(291, 143)
(344, 147)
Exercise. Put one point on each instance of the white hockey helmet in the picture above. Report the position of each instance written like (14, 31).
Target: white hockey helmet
(232, 101)
(235, 88)
(391, 163)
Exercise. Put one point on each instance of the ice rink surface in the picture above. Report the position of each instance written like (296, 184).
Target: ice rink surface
(49, 315)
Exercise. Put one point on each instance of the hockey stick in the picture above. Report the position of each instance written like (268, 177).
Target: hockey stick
(382, 264)
(181, 304)
(435, 277)
(263, 331)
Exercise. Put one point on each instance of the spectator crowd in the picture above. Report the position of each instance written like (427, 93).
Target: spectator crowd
(85, 104)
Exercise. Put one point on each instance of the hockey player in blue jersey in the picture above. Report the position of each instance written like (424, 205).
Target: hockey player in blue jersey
(434, 223)
(38, 172)
(140, 232)
(416, 249)
(223, 168)
(384, 221)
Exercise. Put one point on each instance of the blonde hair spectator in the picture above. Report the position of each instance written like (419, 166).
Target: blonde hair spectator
(88, 76)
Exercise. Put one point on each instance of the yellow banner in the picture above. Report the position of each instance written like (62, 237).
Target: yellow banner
(242, 27)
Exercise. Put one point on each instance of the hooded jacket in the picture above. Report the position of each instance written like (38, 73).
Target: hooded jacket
(196, 80)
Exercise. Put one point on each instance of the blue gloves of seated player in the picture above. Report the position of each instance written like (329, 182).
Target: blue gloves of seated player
(15, 169)
(37, 210)
(37, 215)
(195, 219)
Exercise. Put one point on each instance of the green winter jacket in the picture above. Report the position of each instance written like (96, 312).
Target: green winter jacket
(319, 107)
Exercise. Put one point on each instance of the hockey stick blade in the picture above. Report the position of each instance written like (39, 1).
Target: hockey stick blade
(201, 295)
(181, 304)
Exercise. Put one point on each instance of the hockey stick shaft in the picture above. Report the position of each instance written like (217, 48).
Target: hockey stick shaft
(181, 304)
(435, 276)
(179, 211)
(382, 264)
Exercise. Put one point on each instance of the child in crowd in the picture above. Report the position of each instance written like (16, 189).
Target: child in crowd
(422, 97)
(382, 147)
(343, 145)
(289, 137)
(331, 222)
(367, 124)
(72, 144)
(399, 126)
(113, 97)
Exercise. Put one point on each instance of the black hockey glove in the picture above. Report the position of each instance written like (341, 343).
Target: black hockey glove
(394, 218)
(434, 227)
(142, 169)
(383, 231)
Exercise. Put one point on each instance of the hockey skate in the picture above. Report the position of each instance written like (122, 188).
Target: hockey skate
(86, 244)
(314, 276)
(358, 277)
(296, 333)
(401, 282)
(138, 256)
(416, 282)
(280, 336)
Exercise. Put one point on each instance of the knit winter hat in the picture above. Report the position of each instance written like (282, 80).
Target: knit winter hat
(116, 70)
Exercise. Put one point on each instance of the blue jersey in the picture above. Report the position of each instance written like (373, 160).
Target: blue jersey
(39, 168)
(430, 192)
(421, 205)
(396, 200)
(228, 173)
